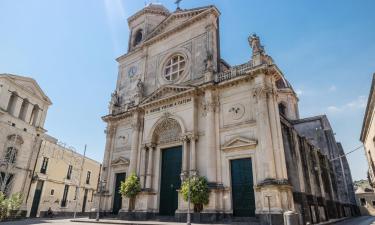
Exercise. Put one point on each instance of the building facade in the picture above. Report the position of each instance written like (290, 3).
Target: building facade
(368, 133)
(365, 197)
(23, 110)
(63, 180)
(179, 108)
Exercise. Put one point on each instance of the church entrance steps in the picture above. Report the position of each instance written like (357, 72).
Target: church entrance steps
(235, 221)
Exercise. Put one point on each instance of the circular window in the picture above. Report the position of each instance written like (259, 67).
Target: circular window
(174, 67)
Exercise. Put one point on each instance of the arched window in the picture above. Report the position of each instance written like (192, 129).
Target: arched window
(34, 115)
(282, 108)
(12, 103)
(138, 37)
(10, 155)
(23, 110)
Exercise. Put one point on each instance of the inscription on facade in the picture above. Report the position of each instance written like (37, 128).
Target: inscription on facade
(169, 105)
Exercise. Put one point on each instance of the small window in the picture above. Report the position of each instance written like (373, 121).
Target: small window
(138, 37)
(88, 175)
(373, 203)
(10, 155)
(69, 173)
(52, 191)
(363, 201)
(43, 169)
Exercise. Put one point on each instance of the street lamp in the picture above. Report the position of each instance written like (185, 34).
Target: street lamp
(100, 191)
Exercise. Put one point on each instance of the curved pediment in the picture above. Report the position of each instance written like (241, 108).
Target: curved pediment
(120, 161)
(239, 142)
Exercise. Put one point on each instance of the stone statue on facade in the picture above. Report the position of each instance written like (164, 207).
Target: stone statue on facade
(255, 44)
(140, 88)
(115, 99)
(259, 55)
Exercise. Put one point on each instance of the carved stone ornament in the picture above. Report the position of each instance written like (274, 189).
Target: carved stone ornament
(263, 91)
(121, 161)
(236, 111)
(212, 106)
(168, 130)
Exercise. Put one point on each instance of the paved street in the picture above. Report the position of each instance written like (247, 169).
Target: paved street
(44, 222)
(363, 220)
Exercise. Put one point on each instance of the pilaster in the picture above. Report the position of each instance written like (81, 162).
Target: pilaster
(134, 144)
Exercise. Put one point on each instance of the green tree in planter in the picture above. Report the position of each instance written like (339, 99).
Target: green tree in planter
(130, 189)
(9, 206)
(199, 192)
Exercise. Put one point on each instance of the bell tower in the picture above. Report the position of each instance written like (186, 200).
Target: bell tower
(142, 23)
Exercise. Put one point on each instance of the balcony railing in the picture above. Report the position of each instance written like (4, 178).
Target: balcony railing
(233, 72)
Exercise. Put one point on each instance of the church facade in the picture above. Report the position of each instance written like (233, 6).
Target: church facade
(179, 108)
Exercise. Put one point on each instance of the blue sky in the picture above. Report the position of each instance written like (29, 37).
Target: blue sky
(326, 49)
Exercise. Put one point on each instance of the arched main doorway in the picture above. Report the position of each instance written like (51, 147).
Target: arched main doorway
(168, 132)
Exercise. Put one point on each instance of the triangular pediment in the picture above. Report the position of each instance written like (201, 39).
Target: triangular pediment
(239, 142)
(120, 161)
(177, 19)
(29, 85)
(165, 92)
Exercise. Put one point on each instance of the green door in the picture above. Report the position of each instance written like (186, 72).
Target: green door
(243, 198)
(117, 199)
(170, 180)
(36, 199)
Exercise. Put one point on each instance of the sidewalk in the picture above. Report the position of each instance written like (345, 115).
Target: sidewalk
(117, 221)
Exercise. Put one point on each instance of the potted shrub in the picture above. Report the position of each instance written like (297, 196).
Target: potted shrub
(130, 189)
(199, 192)
(9, 207)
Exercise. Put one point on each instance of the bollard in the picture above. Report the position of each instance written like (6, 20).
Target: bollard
(291, 218)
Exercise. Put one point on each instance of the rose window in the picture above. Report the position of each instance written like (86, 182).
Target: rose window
(174, 67)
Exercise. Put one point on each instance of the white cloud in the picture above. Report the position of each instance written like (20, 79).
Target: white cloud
(358, 103)
(299, 92)
(332, 88)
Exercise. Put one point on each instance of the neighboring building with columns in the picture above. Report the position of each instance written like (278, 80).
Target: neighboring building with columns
(23, 110)
(368, 133)
(179, 107)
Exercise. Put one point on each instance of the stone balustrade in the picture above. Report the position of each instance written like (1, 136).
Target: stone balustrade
(233, 72)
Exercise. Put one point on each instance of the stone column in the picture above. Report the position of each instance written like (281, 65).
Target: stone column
(193, 163)
(143, 166)
(211, 105)
(134, 144)
(185, 157)
(110, 131)
(149, 166)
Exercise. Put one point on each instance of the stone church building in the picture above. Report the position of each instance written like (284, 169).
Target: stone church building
(179, 107)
